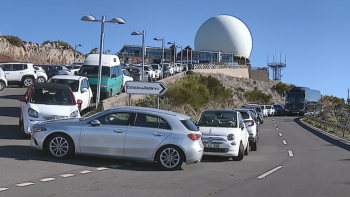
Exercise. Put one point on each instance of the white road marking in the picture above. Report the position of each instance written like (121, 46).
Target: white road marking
(275, 125)
(101, 168)
(273, 119)
(277, 129)
(269, 172)
(284, 142)
(290, 153)
(280, 134)
(67, 175)
(47, 179)
(25, 184)
(115, 166)
(3, 189)
(85, 171)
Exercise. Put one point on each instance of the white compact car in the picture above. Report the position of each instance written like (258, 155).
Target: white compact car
(80, 87)
(3, 80)
(41, 74)
(126, 77)
(264, 110)
(224, 133)
(74, 68)
(46, 101)
(270, 110)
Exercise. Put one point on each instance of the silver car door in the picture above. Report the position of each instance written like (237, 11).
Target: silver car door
(142, 139)
(108, 137)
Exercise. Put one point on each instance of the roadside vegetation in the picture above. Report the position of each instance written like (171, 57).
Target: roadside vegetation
(14, 40)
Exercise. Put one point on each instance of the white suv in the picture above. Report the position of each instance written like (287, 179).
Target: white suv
(19, 73)
(3, 80)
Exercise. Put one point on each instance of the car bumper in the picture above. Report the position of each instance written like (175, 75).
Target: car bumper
(224, 149)
(193, 151)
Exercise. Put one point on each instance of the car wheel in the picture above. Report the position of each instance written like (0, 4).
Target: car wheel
(109, 94)
(59, 146)
(246, 151)
(254, 146)
(21, 128)
(240, 153)
(2, 85)
(41, 80)
(170, 158)
(27, 81)
(79, 107)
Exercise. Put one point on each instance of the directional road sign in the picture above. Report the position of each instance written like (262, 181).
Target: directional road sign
(149, 88)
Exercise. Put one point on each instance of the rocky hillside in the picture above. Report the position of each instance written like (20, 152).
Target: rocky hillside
(51, 53)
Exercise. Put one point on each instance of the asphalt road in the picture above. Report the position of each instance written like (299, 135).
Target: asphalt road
(301, 161)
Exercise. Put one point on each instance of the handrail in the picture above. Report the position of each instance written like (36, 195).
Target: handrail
(326, 125)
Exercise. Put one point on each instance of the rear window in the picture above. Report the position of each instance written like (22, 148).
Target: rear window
(189, 125)
(245, 115)
(268, 106)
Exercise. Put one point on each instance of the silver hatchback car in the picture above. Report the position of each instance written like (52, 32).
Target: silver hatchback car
(160, 136)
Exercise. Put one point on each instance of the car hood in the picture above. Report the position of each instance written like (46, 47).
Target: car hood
(49, 112)
(218, 131)
(69, 121)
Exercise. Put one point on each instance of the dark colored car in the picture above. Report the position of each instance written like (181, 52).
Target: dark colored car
(52, 70)
(279, 110)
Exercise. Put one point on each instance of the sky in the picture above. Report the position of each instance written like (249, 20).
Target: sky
(313, 35)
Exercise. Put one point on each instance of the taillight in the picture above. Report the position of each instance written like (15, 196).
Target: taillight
(250, 122)
(194, 136)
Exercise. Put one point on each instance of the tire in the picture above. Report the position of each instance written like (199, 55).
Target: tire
(254, 146)
(246, 151)
(171, 154)
(2, 85)
(27, 81)
(41, 80)
(240, 153)
(79, 107)
(59, 146)
(109, 94)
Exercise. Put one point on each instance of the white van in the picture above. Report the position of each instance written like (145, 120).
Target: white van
(3, 80)
(111, 76)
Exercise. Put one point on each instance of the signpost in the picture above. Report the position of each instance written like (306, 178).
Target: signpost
(148, 88)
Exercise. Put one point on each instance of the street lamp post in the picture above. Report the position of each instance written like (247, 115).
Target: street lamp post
(135, 33)
(103, 21)
(174, 50)
(158, 39)
(75, 50)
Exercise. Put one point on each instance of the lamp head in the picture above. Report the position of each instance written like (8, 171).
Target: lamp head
(88, 18)
(117, 21)
(134, 33)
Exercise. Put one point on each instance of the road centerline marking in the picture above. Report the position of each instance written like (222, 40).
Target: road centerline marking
(47, 179)
(269, 172)
(67, 175)
(25, 184)
(290, 153)
(280, 134)
(85, 171)
(284, 142)
(277, 128)
(3, 189)
(101, 168)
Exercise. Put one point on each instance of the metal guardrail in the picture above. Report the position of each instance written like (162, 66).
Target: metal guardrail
(213, 66)
(325, 125)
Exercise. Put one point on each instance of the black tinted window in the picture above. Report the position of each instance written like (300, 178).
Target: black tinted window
(144, 120)
(189, 125)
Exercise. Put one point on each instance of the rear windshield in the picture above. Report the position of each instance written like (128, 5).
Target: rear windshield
(189, 125)
(245, 115)
(268, 106)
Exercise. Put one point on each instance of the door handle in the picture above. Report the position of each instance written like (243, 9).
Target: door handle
(157, 134)
(7, 73)
(118, 131)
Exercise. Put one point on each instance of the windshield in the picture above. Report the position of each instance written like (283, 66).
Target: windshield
(92, 71)
(73, 84)
(218, 119)
(295, 98)
(52, 96)
(154, 66)
(268, 106)
(276, 106)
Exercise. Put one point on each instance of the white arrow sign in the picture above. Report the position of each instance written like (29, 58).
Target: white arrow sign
(149, 88)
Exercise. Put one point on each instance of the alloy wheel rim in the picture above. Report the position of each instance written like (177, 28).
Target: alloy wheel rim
(59, 146)
(2, 85)
(41, 80)
(28, 81)
(169, 157)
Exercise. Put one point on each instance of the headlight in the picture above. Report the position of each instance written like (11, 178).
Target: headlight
(74, 114)
(32, 113)
(38, 129)
(104, 85)
(230, 137)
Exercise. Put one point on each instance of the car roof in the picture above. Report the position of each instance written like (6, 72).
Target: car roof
(220, 110)
(50, 85)
(74, 77)
(153, 110)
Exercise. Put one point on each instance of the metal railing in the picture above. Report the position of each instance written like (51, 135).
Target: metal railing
(213, 66)
(342, 130)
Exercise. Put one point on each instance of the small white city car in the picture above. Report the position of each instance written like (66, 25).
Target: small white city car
(224, 133)
(46, 101)
(3, 80)
(126, 77)
(164, 137)
(80, 87)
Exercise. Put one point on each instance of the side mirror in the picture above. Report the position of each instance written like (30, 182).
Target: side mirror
(79, 101)
(84, 90)
(95, 123)
(22, 98)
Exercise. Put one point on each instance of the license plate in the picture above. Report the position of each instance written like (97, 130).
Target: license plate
(206, 145)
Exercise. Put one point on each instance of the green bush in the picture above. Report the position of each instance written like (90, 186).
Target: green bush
(332, 120)
(14, 40)
(280, 87)
(190, 72)
(256, 96)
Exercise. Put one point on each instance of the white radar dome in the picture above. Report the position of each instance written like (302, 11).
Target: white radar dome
(226, 34)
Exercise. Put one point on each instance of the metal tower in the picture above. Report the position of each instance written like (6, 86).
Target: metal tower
(276, 68)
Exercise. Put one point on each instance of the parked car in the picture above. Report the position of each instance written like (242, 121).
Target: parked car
(74, 68)
(51, 70)
(279, 110)
(270, 110)
(170, 67)
(136, 73)
(166, 71)
(80, 87)
(160, 136)
(264, 110)
(63, 70)
(126, 77)
(19, 73)
(150, 73)
(3, 80)
(46, 101)
(158, 70)
(224, 133)
(41, 74)
(252, 127)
